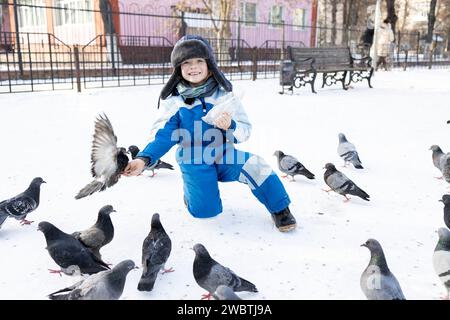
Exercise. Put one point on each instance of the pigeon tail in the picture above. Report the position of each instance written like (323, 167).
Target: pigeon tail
(308, 174)
(358, 166)
(55, 296)
(147, 282)
(3, 217)
(163, 165)
(246, 286)
(89, 189)
(361, 193)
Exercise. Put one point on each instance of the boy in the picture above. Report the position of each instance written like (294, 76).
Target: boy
(206, 153)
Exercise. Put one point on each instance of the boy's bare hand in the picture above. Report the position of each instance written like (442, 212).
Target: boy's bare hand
(223, 121)
(134, 168)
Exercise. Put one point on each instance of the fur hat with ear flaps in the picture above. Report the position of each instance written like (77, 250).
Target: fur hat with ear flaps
(191, 46)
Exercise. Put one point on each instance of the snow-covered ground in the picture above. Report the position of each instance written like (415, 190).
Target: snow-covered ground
(49, 134)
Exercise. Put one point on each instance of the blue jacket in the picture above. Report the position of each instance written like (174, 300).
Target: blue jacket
(181, 123)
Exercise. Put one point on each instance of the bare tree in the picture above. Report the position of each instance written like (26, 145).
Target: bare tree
(333, 21)
(431, 21)
(390, 5)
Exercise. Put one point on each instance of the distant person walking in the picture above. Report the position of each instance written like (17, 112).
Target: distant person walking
(385, 37)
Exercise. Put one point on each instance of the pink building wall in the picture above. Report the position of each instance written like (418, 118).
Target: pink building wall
(253, 35)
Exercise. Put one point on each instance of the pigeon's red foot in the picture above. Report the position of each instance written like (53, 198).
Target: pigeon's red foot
(327, 190)
(168, 270)
(206, 296)
(25, 221)
(56, 271)
(346, 199)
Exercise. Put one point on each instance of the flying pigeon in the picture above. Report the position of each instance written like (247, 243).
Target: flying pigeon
(446, 200)
(155, 252)
(69, 253)
(107, 160)
(291, 166)
(440, 159)
(105, 285)
(338, 182)
(347, 151)
(441, 258)
(210, 274)
(134, 150)
(100, 234)
(225, 293)
(377, 282)
(21, 205)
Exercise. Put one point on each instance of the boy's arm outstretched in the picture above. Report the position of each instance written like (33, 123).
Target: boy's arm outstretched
(163, 140)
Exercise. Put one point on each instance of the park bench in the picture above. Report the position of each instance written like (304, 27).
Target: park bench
(334, 63)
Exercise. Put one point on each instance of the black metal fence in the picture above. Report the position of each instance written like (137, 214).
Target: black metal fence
(132, 49)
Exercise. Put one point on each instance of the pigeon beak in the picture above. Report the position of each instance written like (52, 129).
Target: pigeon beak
(363, 245)
(136, 267)
(440, 200)
(43, 181)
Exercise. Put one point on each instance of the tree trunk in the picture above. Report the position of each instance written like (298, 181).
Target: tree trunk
(405, 14)
(390, 4)
(345, 23)
(333, 21)
(431, 20)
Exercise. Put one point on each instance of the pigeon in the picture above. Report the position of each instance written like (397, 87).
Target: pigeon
(441, 258)
(446, 200)
(377, 282)
(446, 167)
(291, 166)
(339, 183)
(105, 285)
(440, 160)
(107, 160)
(155, 252)
(210, 274)
(100, 234)
(133, 150)
(21, 205)
(347, 151)
(69, 253)
(225, 293)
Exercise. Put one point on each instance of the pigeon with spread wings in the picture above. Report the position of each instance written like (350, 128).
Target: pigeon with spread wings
(108, 160)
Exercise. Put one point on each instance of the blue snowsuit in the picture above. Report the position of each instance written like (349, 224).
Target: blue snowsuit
(207, 155)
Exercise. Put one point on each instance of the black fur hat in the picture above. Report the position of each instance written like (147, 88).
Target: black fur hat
(191, 46)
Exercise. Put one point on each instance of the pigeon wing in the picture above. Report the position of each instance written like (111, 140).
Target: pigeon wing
(19, 206)
(104, 150)
(91, 238)
(345, 147)
(288, 164)
(336, 180)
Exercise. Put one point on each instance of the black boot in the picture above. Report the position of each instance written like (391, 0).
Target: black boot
(284, 220)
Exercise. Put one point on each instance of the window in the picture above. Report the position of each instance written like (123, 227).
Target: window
(248, 13)
(299, 19)
(30, 16)
(276, 16)
(70, 12)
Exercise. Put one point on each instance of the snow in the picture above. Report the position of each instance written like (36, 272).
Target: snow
(49, 134)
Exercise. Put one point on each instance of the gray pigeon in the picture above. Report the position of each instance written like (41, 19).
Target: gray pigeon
(100, 234)
(347, 151)
(105, 285)
(107, 160)
(134, 150)
(441, 258)
(155, 252)
(69, 253)
(225, 293)
(441, 161)
(377, 282)
(21, 205)
(339, 183)
(291, 166)
(210, 274)
(446, 200)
